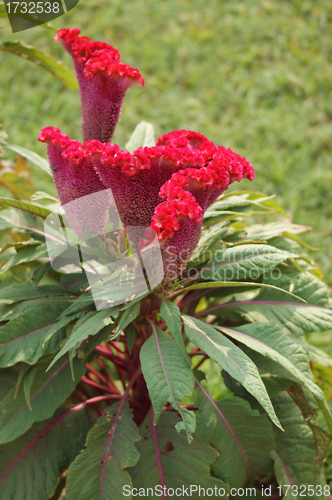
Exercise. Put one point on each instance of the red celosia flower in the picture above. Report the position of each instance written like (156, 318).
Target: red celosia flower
(103, 82)
(74, 178)
(165, 188)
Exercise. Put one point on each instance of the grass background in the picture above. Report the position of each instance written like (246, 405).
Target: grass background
(252, 75)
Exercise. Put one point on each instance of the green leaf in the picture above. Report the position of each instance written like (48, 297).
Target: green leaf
(41, 195)
(90, 324)
(29, 254)
(47, 392)
(27, 383)
(315, 355)
(10, 312)
(168, 377)
(142, 136)
(241, 202)
(33, 157)
(295, 450)
(166, 459)
(54, 443)
(15, 218)
(248, 446)
(75, 282)
(170, 313)
(227, 355)
(56, 68)
(294, 318)
(209, 243)
(23, 368)
(311, 289)
(130, 313)
(80, 304)
(90, 345)
(9, 379)
(270, 341)
(26, 206)
(130, 333)
(33, 333)
(17, 292)
(236, 284)
(270, 230)
(19, 245)
(98, 472)
(302, 284)
(243, 262)
(40, 272)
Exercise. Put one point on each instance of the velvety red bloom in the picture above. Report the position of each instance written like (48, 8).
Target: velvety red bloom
(166, 187)
(74, 179)
(103, 82)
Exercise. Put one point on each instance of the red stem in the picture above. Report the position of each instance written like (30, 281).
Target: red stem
(194, 297)
(108, 347)
(201, 362)
(184, 296)
(110, 380)
(77, 396)
(97, 373)
(97, 386)
(103, 398)
(94, 406)
(118, 363)
(197, 353)
(116, 346)
(109, 355)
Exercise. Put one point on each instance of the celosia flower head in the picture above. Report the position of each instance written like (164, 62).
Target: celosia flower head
(103, 81)
(165, 188)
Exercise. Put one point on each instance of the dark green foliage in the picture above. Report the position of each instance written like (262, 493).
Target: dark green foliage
(247, 314)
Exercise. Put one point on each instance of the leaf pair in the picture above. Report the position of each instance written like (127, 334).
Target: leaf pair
(112, 467)
(37, 397)
(55, 446)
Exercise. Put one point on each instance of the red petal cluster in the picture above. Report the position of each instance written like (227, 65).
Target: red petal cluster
(54, 136)
(103, 82)
(165, 188)
(220, 167)
(74, 179)
(185, 169)
(81, 47)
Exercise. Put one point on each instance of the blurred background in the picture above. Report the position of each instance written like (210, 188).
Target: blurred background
(252, 75)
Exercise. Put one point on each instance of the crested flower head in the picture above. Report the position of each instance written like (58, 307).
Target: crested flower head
(74, 179)
(165, 188)
(103, 80)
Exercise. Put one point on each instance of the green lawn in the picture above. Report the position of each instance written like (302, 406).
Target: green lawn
(252, 75)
